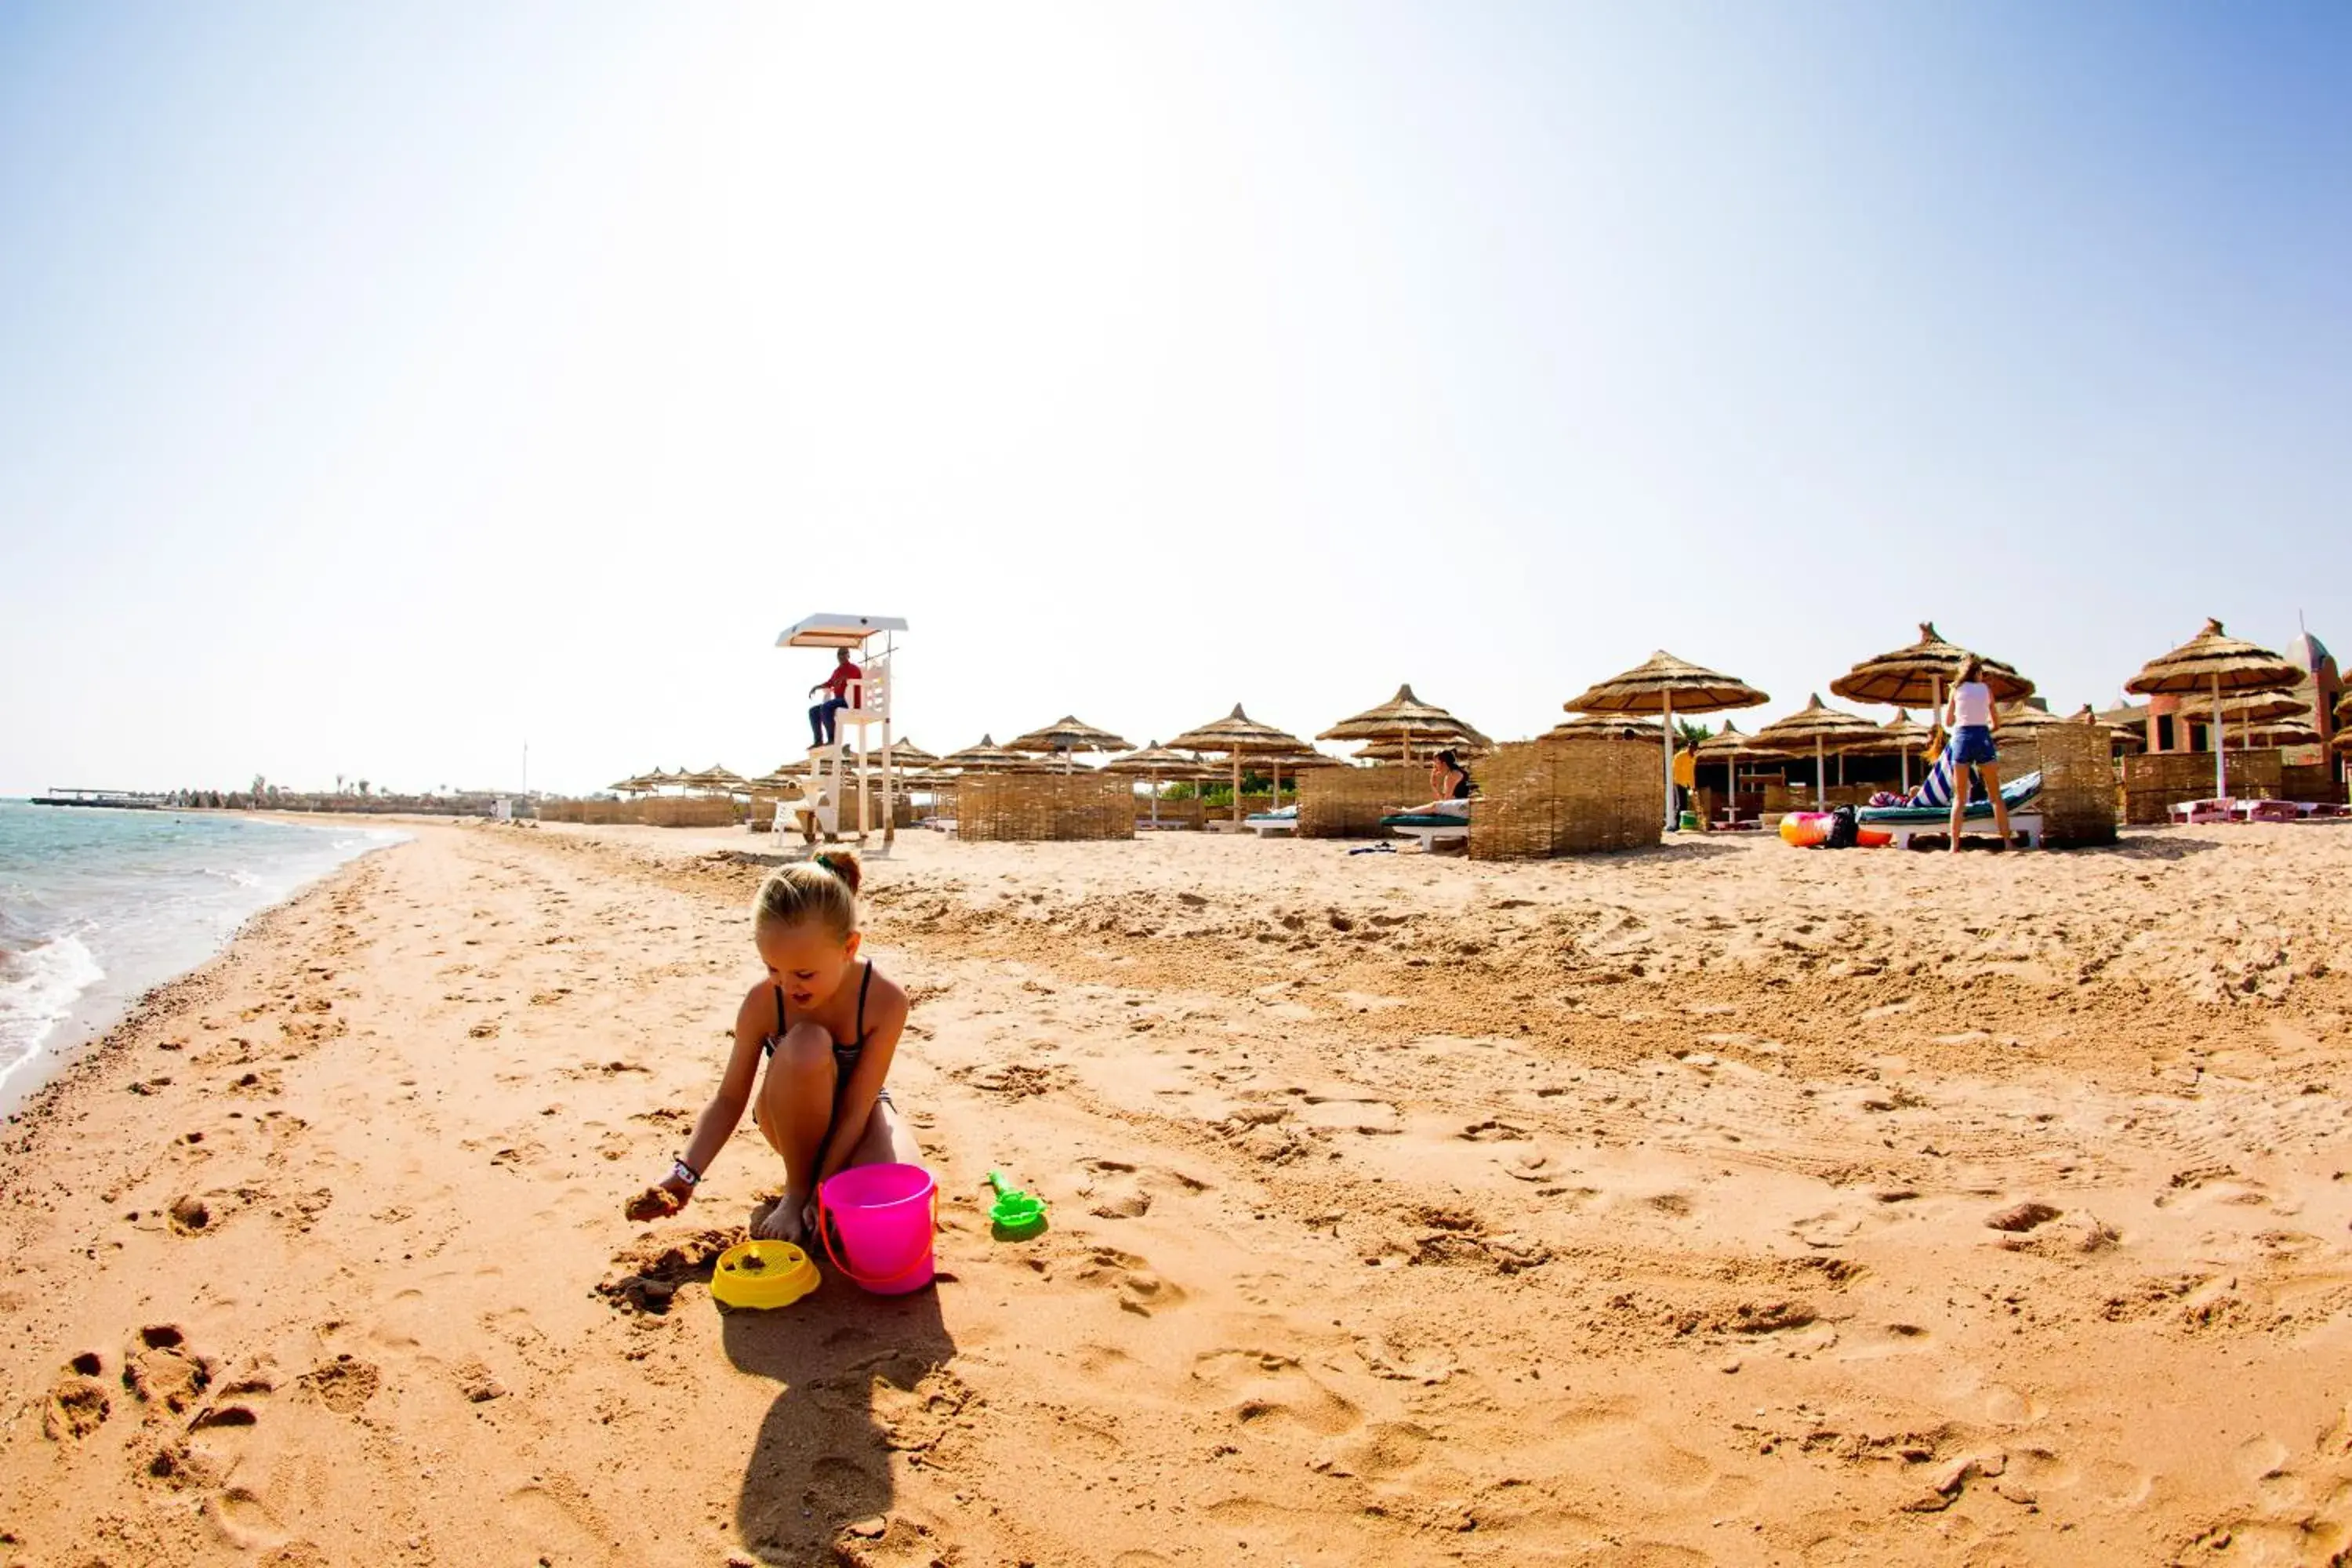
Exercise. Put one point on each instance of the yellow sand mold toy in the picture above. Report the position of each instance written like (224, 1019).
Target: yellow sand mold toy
(763, 1274)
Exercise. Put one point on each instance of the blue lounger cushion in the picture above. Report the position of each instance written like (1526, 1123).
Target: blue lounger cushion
(1287, 814)
(2016, 795)
(1426, 819)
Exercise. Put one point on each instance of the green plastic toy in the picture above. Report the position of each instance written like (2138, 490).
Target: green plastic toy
(1015, 1215)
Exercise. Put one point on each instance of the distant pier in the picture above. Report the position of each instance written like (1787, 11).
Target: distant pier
(115, 799)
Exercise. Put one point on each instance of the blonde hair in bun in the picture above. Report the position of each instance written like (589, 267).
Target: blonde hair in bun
(823, 890)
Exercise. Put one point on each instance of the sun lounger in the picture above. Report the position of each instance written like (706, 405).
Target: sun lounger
(2196, 811)
(1906, 823)
(1431, 828)
(1264, 822)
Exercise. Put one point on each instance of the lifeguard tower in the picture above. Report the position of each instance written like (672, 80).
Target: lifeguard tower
(869, 704)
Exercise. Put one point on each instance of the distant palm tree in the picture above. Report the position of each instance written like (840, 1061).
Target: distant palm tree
(338, 783)
(1692, 734)
(363, 786)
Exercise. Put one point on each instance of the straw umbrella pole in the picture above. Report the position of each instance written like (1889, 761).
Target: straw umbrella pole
(1407, 719)
(1066, 735)
(1237, 735)
(1665, 686)
(1816, 727)
(1155, 761)
(1916, 675)
(2214, 661)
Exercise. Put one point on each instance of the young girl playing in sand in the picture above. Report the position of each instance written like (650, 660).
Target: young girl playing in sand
(828, 1025)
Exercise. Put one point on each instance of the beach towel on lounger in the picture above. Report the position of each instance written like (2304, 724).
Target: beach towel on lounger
(1934, 790)
(2016, 795)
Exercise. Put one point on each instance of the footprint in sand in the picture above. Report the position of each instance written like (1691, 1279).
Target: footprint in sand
(78, 1405)
(159, 1369)
(1267, 1390)
(343, 1385)
(1344, 1109)
(1117, 1190)
(1140, 1290)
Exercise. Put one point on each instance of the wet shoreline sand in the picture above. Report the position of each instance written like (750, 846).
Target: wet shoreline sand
(1634, 1209)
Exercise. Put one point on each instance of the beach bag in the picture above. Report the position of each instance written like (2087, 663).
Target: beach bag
(1844, 830)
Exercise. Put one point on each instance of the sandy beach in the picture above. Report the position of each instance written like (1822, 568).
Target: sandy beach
(1724, 1204)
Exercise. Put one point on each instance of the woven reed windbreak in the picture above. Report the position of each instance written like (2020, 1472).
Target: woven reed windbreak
(2304, 782)
(1565, 797)
(1349, 803)
(1172, 813)
(2155, 783)
(1030, 807)
(689, 811)
(2078, 784)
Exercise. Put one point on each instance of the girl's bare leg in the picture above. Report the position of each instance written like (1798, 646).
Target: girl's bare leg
(888, 1141)
(1960, 800)
(2000, 807)
(793, 1109)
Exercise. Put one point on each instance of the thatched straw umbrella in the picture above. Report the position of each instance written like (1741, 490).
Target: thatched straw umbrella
(2128, 737)
(2283, 732)
(1394, 751)
(988, 757)
(1666, 686)
(1156, 762)
(2018, 720)
(1066, 735)
(1409, 724)
(1901, 735)
(1817, 729)
(2213, 661)
(1724, 746)
(1916, 675)
(2344, 707)
(2250, 715)
(1235, 736)
(638, 785)
(1607, 726)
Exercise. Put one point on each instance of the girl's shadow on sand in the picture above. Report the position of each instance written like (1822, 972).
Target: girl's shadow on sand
(863, 1376)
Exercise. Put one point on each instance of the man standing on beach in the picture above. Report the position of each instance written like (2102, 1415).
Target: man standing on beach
(836, 688)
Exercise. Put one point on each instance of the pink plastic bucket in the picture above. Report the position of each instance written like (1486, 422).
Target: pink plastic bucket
(876, 1221)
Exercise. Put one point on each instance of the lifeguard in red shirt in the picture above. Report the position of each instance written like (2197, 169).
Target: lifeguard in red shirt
(837, 690)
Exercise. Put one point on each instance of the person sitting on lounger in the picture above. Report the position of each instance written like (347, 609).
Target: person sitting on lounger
(1969, 716)
(1451, 781)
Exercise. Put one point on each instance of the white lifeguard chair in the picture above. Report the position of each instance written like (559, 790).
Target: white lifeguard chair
(868, 704)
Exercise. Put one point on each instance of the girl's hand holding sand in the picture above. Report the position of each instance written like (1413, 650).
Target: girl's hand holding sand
(659, 1200)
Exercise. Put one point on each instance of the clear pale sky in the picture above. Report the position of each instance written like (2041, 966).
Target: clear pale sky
(383, 386)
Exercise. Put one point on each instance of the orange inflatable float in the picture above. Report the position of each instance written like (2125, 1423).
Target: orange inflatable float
(1807, 829)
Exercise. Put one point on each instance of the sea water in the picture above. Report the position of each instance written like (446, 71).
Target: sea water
(97, 905)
